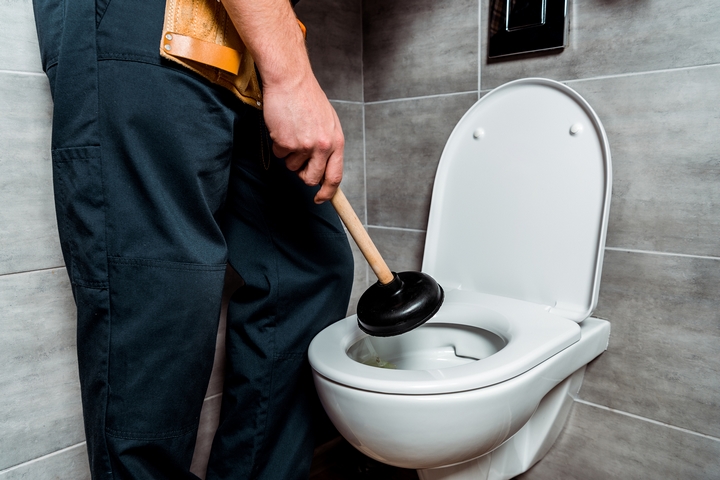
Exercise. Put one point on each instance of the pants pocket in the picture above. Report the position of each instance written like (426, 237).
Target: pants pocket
(79, 204)
(164, 318)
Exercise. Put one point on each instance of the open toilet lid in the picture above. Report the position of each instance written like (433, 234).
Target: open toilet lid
(521, 199)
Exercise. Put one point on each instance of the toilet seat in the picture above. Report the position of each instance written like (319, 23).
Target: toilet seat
(531, 332)
(521, 199)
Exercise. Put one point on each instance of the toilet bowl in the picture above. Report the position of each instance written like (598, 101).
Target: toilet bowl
(516, 236)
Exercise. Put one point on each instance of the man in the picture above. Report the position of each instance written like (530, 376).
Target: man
(161, 179)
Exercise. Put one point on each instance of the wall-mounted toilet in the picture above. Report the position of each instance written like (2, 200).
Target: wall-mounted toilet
(516, 238)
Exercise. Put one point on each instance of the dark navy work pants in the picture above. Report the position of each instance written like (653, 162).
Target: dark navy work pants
(161, 179)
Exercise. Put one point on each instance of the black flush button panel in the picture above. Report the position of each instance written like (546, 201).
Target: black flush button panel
(522, 26)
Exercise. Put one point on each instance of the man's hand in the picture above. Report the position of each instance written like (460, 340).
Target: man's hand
(306, 131)
(303, 125)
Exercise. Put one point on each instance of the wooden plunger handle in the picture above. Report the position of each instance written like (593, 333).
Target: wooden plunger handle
(361, 237)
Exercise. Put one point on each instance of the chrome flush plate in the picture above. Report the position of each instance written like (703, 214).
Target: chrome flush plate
(523, 26)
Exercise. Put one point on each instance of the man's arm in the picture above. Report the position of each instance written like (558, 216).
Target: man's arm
(303, 125)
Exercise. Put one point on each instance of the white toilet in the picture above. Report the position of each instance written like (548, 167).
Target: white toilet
(516, 238)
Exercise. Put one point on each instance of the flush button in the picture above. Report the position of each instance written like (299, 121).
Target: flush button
(522, 26)
(524, 14)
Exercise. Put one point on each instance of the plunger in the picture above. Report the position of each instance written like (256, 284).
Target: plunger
(397, 302)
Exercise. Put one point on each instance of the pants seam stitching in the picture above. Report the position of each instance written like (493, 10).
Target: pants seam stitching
(257, 451)
(148, 436)
(165, 264)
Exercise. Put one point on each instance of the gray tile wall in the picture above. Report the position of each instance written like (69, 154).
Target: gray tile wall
(17, 35)
(39, 407)
(619, 37)
(419, 47)
(663, 132)
(26, 175)
(334, 38)
(663, 360)
(649, 406)
(404, 141)
(69, 463)
(602, 444)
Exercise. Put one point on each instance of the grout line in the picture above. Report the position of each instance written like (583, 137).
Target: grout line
(422, 97)
(667, 254)
(32, 271)
(634, 74)
(362, 55)
(479, 51)
(40, 459)
(19, 72)
(649, 420)
(351, 102)
(365, 189)
(362, 95)
(575, 80)
(397, 228)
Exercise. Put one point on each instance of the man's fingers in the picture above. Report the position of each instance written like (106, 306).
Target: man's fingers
(332, 179)
(314, 170)
(296, 161)
(281, 152)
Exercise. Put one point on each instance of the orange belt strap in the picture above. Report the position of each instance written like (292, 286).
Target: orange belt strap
(212, 54)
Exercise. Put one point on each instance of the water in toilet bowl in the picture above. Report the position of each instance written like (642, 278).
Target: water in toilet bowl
(430, 347)
(365, 353)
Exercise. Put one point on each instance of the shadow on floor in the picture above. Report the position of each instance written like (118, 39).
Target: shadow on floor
(338, 460)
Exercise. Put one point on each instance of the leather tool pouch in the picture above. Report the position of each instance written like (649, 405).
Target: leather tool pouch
(200, 35)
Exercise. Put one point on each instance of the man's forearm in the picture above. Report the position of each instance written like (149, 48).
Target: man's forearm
(302, 123)
(270, 31)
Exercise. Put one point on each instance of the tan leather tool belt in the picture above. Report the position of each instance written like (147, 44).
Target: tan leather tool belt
(200, 35)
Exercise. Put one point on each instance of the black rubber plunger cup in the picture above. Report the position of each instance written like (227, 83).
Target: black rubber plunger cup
(398, 302)
(408, 301)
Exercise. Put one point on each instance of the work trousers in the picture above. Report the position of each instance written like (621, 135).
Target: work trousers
(161, 180)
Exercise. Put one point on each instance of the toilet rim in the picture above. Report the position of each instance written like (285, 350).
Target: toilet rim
(532, 336)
